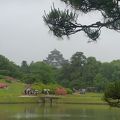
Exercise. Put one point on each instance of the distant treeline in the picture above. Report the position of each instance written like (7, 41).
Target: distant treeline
(79, 72)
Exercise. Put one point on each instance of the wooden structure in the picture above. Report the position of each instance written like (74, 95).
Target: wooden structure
(49, 98)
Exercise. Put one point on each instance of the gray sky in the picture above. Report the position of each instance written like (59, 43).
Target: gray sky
(24, 36)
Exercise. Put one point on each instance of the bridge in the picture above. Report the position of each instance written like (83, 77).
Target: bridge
(49, 98)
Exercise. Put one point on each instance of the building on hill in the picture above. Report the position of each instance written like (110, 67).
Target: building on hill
(55, 58)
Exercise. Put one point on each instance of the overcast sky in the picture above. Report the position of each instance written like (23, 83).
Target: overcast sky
(24, 36)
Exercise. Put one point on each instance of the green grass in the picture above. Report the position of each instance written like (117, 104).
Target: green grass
(88, 98)
(16, 89)
(13, 92)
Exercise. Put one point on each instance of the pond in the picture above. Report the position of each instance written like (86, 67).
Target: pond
(58, 112)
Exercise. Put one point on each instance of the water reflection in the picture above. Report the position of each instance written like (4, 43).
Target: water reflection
(58, 112)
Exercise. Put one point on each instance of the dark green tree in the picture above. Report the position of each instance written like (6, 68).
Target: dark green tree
(112, 94)
(64, 75)
(107, 70)
(66, 22)
(116, 73)
(90, 70)
(100, 82)
(9, 68)
(71, 74)
(78, 61)
(42, 72)
(29, 78)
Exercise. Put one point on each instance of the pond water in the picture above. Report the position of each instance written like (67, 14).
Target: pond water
(58, 112)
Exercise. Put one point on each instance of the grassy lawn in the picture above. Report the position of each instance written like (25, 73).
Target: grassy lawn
(12, 93)
(15, 90)
(92, 98)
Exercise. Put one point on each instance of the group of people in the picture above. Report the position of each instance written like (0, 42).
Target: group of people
(30, 91)
(80, 91)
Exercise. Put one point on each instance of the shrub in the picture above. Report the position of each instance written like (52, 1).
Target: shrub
(8, 81)
(69, 91)
(112, 94)
(2, 77)
(41, 87)
(60, 91)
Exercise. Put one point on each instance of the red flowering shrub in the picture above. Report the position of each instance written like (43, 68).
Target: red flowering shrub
(2, 85)
(60, 91)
